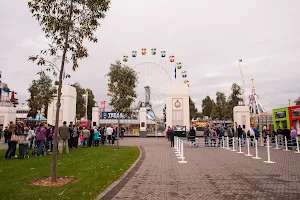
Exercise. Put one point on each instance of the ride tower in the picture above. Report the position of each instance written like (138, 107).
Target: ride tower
(254, 103)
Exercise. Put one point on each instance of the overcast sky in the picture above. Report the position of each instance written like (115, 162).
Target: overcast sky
(208, 37)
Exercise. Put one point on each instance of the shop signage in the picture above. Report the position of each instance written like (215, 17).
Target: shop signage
(113, 115)
(296, 113)
(281, 114)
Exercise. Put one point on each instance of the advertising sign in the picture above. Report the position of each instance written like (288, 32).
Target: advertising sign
(296, 113)
(113, 115)
(281, 114)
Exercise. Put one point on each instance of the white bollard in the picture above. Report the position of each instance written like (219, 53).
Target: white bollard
(261, 141)
(177, 145)
(223, 143)
(276, 142)
(268, 138)
(298, 151)
(182, 155)
(256, 152)
(286, 147)
(228, 148)
(268, 150)
(240, 145)
(175, 142)
(233, 145)
(248, 144)
(178, 153)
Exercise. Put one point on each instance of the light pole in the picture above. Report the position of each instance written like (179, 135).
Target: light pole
(243, 82)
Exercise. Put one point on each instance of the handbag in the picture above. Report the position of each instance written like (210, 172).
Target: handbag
(14, 138)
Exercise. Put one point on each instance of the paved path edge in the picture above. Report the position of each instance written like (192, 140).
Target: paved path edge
(116, 186)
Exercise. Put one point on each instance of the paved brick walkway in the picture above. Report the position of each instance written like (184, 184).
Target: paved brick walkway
(211, 174)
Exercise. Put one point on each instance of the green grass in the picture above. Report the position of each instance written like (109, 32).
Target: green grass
(96, 168)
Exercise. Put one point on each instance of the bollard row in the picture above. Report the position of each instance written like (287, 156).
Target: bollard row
(179, 151)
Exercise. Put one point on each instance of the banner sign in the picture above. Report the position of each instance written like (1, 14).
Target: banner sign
(113, 115)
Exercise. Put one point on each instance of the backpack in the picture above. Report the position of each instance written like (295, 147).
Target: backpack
(229, 132)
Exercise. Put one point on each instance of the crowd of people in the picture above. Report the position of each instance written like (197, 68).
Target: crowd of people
(40, 137)
(213, 135)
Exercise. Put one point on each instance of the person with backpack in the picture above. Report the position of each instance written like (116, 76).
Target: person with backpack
(229, 134)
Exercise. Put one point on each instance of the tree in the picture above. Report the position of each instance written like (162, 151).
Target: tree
(80, 108)
(297, 101)
(91, 103)
(66, 25)
(42, 93)
(233, 100)
(220, 106)
(207, 106)
(193, 110)
(122, 83)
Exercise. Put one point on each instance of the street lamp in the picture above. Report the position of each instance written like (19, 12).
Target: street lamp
(243, 82)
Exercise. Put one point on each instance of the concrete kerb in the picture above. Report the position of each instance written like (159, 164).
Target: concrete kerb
(116, 186)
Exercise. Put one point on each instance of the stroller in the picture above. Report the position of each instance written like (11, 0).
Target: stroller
(44, 150)
(23, 150)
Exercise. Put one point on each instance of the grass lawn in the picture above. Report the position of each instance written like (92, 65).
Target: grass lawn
(96, 168)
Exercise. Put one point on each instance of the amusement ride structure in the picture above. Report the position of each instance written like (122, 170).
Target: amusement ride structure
(154, 78)
(254, 103)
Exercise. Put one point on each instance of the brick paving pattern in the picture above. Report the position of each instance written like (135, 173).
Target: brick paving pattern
(211, 173)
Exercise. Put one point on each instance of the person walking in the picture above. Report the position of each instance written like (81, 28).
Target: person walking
(5, 135)
(12, 141)
(86, 135)
(109, 132)
(91, 138)
(71, 139)
(75, 136)
(40, 138)
(96, 137)
(103, 135)
(64, 136)
(169, 132)
(172, 134)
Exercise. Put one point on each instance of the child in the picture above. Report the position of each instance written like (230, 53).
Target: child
(81, 139)
(96, 137)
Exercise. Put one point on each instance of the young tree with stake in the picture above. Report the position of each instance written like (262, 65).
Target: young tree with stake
(66, 24)
(122, 83)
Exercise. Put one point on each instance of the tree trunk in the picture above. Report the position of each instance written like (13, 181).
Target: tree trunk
(58, 104)
(118, 132)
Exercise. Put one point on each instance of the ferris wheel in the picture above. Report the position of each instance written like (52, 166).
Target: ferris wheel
(155, 72)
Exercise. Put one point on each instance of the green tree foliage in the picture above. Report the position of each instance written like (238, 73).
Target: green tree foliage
(207, 106)
(297, 101)
(66, 24)
(122, 83)
(220, 106)
(91, 103)
(80, 108)
(42, 93)
(194, 114)
(233, 100)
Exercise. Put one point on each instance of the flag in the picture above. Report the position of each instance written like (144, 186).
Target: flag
(175, 72)
(102, 106)
(64, 75)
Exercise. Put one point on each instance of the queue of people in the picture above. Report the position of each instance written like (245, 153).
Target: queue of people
(39, 138)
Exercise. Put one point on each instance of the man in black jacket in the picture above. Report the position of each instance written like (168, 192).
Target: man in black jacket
(172, 134)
